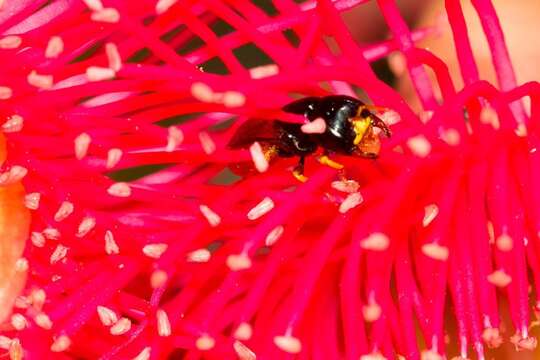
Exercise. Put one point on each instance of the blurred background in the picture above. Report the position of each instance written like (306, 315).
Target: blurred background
(521, 26)
(519, 20)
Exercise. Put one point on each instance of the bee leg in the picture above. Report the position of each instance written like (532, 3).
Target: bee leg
(377, 122)
(325, 160)
(298, 171)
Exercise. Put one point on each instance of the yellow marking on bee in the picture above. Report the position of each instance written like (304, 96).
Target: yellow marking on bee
(360, 127)
(325, 160)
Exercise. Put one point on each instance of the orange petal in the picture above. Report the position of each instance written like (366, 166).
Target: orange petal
(14, 227)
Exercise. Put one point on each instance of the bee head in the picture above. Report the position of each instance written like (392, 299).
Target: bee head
(366, 142)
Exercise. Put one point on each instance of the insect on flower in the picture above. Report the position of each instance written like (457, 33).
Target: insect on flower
(337, 124)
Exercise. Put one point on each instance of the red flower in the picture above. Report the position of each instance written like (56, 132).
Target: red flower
(143, 243)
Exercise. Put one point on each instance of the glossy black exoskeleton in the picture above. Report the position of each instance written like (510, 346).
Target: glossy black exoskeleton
(348, 130)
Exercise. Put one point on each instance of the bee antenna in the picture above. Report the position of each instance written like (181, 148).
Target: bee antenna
(379, 123)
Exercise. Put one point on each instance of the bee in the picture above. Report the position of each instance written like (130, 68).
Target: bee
(348, 129)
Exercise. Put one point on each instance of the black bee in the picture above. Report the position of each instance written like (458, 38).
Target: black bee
(348, 129)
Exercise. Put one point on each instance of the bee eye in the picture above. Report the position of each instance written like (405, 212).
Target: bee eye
(365, 113)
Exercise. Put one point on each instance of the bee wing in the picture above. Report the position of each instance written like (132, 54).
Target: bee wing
(254, 130)
(302, 106)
